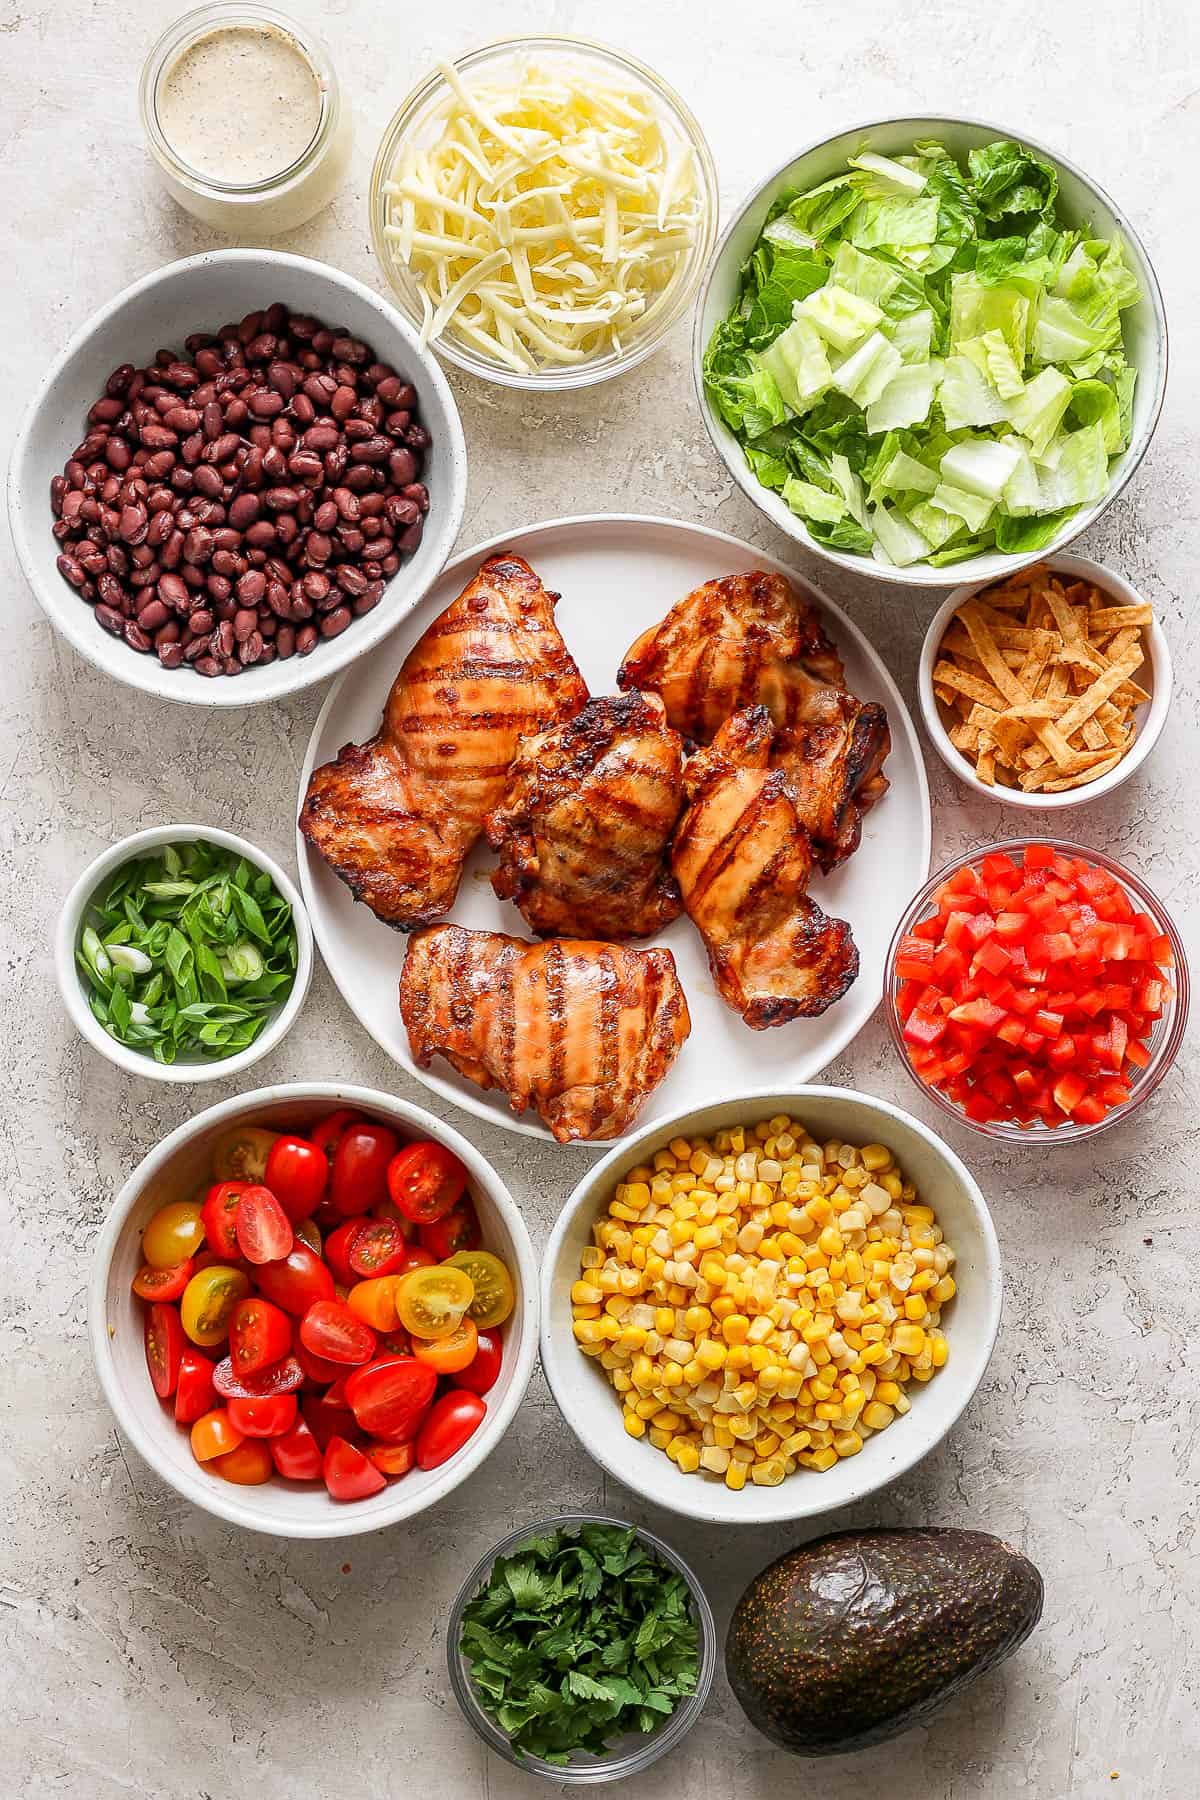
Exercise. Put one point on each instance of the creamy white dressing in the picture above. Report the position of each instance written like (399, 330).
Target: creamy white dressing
(240, 104)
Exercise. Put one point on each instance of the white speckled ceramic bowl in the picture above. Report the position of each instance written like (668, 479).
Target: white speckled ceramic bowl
(70, 982)
(591, 1408)
(1081, 200)
(1154, 676)
(199, 294)
(173, 1170)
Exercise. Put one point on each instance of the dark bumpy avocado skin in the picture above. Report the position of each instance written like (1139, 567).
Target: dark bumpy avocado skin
(855, 1637)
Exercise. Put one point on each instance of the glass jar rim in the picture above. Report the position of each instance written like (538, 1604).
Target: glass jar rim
(187, 30)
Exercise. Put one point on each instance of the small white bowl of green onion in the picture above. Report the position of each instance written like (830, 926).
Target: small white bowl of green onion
(183, 953)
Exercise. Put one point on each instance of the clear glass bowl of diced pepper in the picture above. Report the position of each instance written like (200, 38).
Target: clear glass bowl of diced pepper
(1037, 990)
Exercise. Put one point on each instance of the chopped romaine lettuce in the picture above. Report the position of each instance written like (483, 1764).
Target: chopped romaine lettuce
(924, 359)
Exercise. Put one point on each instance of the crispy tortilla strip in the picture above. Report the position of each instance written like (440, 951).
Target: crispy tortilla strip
(1116, 618)
(1101, 688)
(985, 768)
(970, 685)
(1084, 778)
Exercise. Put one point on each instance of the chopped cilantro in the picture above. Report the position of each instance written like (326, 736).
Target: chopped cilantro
(579, 1637)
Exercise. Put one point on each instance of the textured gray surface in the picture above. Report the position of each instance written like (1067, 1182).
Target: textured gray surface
(144, 1649)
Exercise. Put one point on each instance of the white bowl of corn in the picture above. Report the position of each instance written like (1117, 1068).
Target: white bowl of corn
(771, 1306)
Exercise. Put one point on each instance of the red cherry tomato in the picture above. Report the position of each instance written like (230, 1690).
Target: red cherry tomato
(326, 1422)
(264, 1231)
(331, 1330)
(163, 1284)
(416, 1256)
(379, 1248)
(395, 1343)
(389, 1397)
(317, 1369)
(266, 1418)
(454, 1231)
(480, 1374)
(297, 1454)
(425, 1180)
(338, 1245)
(387, 1209)
(283, 1377)
(218, 1216)
(327, 1133)
(259, 1334)
(348, 1474)
(451, 1421)
(165, 1344)
(297, 1174)
(194, 1394)
(297, 1282)
(392, 1459)
(360, 1165)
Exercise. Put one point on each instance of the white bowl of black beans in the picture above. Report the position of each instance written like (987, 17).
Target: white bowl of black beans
(243, 465)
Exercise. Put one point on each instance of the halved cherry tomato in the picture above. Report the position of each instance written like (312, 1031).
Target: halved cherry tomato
(348, 1474)
(259, 1334)
(219, 1216)
(380, 1248)
(296, 1283)
(454, 1231)
(480, 1376)
(266, 1418)
(387, 1209)
(163, 1284)
(451, 1421)
(297, 1174)
(296, 1454)
(389, 1397)
(163, 1337)
(283, 1377)
(331, 1330)
(195, 1393)
(425, 1180)
(327, 1133)
(241, 1155)
(449, 1355)
(374, 1302)
(208, 1302)
(392, 1459)
(264, 1231)
(307, 1233)
(214, 1435)
(431, 1302)
(495, 1295)
(395, 1343)
(338, 1246)
(249, 1465)
(174, 1233)
(358, 1180)
(317, 1369)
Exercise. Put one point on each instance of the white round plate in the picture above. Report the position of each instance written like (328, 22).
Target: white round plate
(617, 574)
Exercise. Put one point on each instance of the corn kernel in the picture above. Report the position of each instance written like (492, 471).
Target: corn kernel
(635, 1426)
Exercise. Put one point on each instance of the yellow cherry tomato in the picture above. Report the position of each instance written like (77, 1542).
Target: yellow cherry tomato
(173, 1234)
(430, 1302)
(495, 1295)
(241, 1155)
(208, 1302)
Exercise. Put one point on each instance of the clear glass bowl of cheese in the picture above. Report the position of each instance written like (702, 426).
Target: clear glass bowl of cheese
(543, 210)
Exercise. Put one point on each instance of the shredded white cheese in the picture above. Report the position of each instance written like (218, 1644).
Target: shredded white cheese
(546, 222)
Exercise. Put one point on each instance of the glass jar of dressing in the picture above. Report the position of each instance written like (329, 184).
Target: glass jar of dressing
(245, 118)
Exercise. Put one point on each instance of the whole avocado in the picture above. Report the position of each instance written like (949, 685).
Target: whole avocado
(857, 1636)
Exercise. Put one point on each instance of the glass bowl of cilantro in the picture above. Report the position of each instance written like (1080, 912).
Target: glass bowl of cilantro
(581, 1649)
(930, 350)
(183, 953)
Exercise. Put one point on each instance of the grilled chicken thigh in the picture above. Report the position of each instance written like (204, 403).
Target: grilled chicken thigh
(750, 640)
(583, 833)
(395, 818)
(743, 860)
(583, 1032)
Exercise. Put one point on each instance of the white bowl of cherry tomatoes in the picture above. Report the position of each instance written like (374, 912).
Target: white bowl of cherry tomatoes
(313, 1310)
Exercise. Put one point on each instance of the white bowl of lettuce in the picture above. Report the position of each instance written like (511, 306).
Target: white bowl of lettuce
(927, 346)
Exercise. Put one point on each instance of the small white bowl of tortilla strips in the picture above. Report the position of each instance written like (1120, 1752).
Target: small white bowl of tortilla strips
(1046, 689)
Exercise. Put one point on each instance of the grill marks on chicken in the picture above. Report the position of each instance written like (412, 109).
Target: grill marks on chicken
(396, 817)
(583, 1032)
(748, 640)
(584, 832)
(743, 859)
